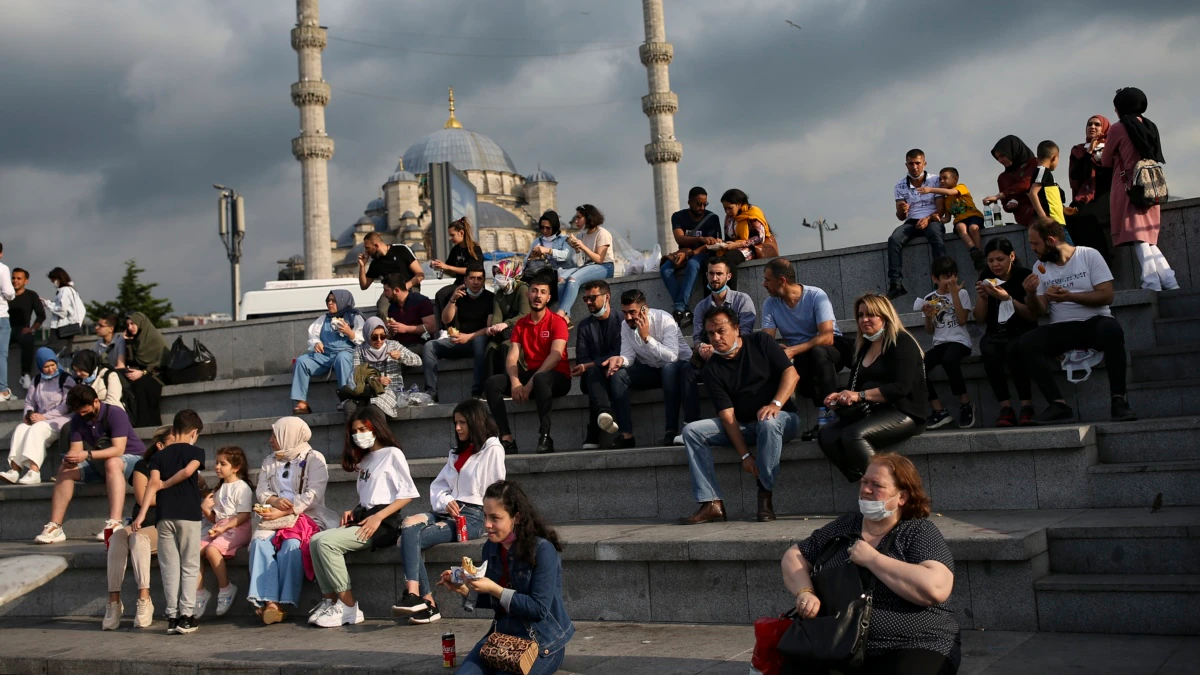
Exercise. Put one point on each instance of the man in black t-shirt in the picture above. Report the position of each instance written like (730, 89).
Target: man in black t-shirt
(467, 316)
(24, 306)
(750, 382)
(384, 260)
(694, 228)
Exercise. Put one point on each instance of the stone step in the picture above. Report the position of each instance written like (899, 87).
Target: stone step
(1180, 303)
(1127, 541)
(1157, 604)
(1002, 469)
(1154, 440)
(640, 570)
(1138, 483)
(1162, 364)
(1179, 331)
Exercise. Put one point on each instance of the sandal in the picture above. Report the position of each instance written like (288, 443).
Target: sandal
(272, 615)
(302, 409)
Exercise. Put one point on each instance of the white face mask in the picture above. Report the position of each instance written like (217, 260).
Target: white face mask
(875, 510)
(600, 312)
(871, 338)
(502, 284)
(736, 343)
(364, 440)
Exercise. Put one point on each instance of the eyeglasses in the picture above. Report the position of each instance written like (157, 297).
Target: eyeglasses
(591, 298)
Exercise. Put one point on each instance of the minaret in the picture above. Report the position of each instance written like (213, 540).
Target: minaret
(312, 147)
(663, 152)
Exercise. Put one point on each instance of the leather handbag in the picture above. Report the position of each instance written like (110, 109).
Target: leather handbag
(849, 414)
(67, 330)
(509, 653)
(768, 249)
(837, 636)
(186, 366)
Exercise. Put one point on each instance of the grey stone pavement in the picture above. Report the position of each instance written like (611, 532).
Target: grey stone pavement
(67, 646)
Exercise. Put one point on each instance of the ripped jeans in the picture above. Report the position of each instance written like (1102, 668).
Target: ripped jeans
(426, 530)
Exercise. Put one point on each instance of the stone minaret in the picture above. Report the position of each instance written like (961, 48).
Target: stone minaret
(663, 152)
(313, 147)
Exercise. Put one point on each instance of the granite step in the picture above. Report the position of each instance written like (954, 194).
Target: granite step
(1179, 303)
(1153, 440)
(1138, 483)
(1146, 604)
(1127, 541)
(1166, 363)
(1178, 331)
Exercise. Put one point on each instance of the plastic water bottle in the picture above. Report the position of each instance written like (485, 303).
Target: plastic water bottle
(987, 216)
(822, 416)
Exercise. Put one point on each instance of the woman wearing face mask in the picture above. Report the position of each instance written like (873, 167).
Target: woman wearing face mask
(43, 419)
(145, 351)
(90, 368)
(523, 584)
(1090, 183)
(332, 338)
(1019, 164)
(387, 358)
(475, 462)
(510, 302)
(913, 629)
(66, 310)
(886, 401)
(292, 487)
(384, 487)
(551, 249)
(1000, 305)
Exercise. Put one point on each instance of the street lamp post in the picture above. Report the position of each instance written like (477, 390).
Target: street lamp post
(231, 227)
(821, 227)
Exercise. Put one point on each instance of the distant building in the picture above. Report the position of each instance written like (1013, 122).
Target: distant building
(200, 319)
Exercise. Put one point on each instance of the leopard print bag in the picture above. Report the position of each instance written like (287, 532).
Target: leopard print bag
(509, 653)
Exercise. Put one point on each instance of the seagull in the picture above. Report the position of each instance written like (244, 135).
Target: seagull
(792, 25)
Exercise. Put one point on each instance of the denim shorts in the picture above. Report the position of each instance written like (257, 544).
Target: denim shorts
(93, 472)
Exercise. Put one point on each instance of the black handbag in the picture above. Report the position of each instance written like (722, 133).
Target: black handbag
(67, 330)
(185, 366)
(837, 636)
(849, 414)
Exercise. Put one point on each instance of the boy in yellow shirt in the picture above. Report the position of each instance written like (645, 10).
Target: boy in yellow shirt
(960, 205)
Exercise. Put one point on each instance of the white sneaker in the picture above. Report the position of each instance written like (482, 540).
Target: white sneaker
(678, 440)
(606, 423)
(202, 598)
(5, 396)
(11, 476)
(145, 613)
(340, 614)
(112, 615)
(114, 524)
(31, 478)
(225, 598)
(52, 533)
(315, 613)
(26, 382)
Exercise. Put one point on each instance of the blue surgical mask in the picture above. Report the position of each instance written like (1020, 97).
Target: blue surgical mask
(871, 338)
(474, 294)
(49, 376)
(91, 378)
(872, 510)
(720, 290)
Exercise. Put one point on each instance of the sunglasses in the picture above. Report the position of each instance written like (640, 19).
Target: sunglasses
(286, 469)
(378, 338)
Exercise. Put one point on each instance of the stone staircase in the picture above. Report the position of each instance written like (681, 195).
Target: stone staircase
(1051, 527)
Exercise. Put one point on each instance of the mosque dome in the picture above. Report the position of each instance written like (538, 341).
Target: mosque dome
(467, 150)
(407, 214)
(540, 177)
(377, 204)
(492, 216)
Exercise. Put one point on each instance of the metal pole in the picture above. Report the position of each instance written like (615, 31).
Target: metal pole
(821, 231)
(231, 230)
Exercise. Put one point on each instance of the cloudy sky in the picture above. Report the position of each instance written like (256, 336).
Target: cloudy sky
(119, 115)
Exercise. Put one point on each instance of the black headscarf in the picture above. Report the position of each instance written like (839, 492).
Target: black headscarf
(552, 218)
(1130, 102)
(1015, 149)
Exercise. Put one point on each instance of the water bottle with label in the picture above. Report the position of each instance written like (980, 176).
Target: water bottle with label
(987, 216)
(822, 416)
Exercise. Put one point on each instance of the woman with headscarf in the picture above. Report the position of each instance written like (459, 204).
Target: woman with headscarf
(291, 486)
(1090, 182)
(44, 417)
(332, 338)
(745, 228)
(1132, 139)
(145, 349)
(386, 358)
(91, 369)
(1019, 164)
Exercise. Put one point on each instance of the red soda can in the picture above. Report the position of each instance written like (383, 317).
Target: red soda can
(462, 528)
(449, 655)
(107, 535)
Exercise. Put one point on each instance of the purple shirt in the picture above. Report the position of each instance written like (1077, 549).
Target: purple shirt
(47, 398)
(111, 423)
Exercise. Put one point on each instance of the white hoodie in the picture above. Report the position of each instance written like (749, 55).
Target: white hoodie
(484, 467)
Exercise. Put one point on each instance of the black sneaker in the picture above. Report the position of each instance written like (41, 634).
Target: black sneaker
(623, 443)
(427, 615)
(669, 439)
(811, 434)
(510, 446)
(1121, 412)
(683, 318)
(966, 416)
(1007, 418)
(936, 419)
(172, 626)
(410, 604)
(187, 624)
(545, 445)
(1054, 413)
(896, 290)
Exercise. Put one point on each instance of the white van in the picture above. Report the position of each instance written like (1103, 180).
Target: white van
(307, 296)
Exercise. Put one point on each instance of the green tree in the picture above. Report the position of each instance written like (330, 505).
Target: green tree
(133, 296)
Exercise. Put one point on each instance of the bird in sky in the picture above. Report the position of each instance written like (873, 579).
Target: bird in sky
(793, 25)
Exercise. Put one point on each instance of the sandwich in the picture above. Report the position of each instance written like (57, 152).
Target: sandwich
(452, 331)
(468, 567)
(261, 508)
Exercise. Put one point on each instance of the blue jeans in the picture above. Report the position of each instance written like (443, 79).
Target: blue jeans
(681, 291)
(546, 664)
(568, 288)
(639, 377)
(89, 472)
(908, 230)
(312, 365)
(770, 435)
(5, 336)
(434, 529)
(275, 576)
(444, 349)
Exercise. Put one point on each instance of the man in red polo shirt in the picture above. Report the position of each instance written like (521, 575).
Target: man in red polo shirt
(537, 368)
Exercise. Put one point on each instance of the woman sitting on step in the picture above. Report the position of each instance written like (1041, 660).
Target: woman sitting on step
(475, 462)
(332, 338)
(291, 487)
(91, 369)
(387, 359)
(913, 629)
(885, 403)
(145, 350)
(44, 417)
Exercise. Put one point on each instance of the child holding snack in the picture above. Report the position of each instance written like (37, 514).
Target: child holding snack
(228, 508)
(946, 310)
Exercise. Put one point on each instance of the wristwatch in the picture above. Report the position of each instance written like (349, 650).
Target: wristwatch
(777, 404)
(862, 396)
(89, 455)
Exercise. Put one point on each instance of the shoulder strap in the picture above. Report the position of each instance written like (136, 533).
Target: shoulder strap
(887, 545)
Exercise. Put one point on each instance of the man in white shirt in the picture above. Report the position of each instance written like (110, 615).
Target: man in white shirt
(917, 214)
(654, 354)
(7, 292)
(1075, 287)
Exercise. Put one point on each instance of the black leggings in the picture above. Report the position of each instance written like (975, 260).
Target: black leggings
(895, 662)
(546, 387)
(1101, 333)
(948, 355)
(850, 447)
(1001, 358)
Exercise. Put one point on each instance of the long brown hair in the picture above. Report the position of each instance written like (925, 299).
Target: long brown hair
(236, 457)
(374, 419)
(908, 480)
(480, 424)
(463, 225)
(529, 525)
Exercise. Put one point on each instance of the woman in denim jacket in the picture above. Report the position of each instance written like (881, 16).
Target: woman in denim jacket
(523, 584)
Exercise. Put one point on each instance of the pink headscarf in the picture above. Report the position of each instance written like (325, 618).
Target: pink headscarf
(1083, 189)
